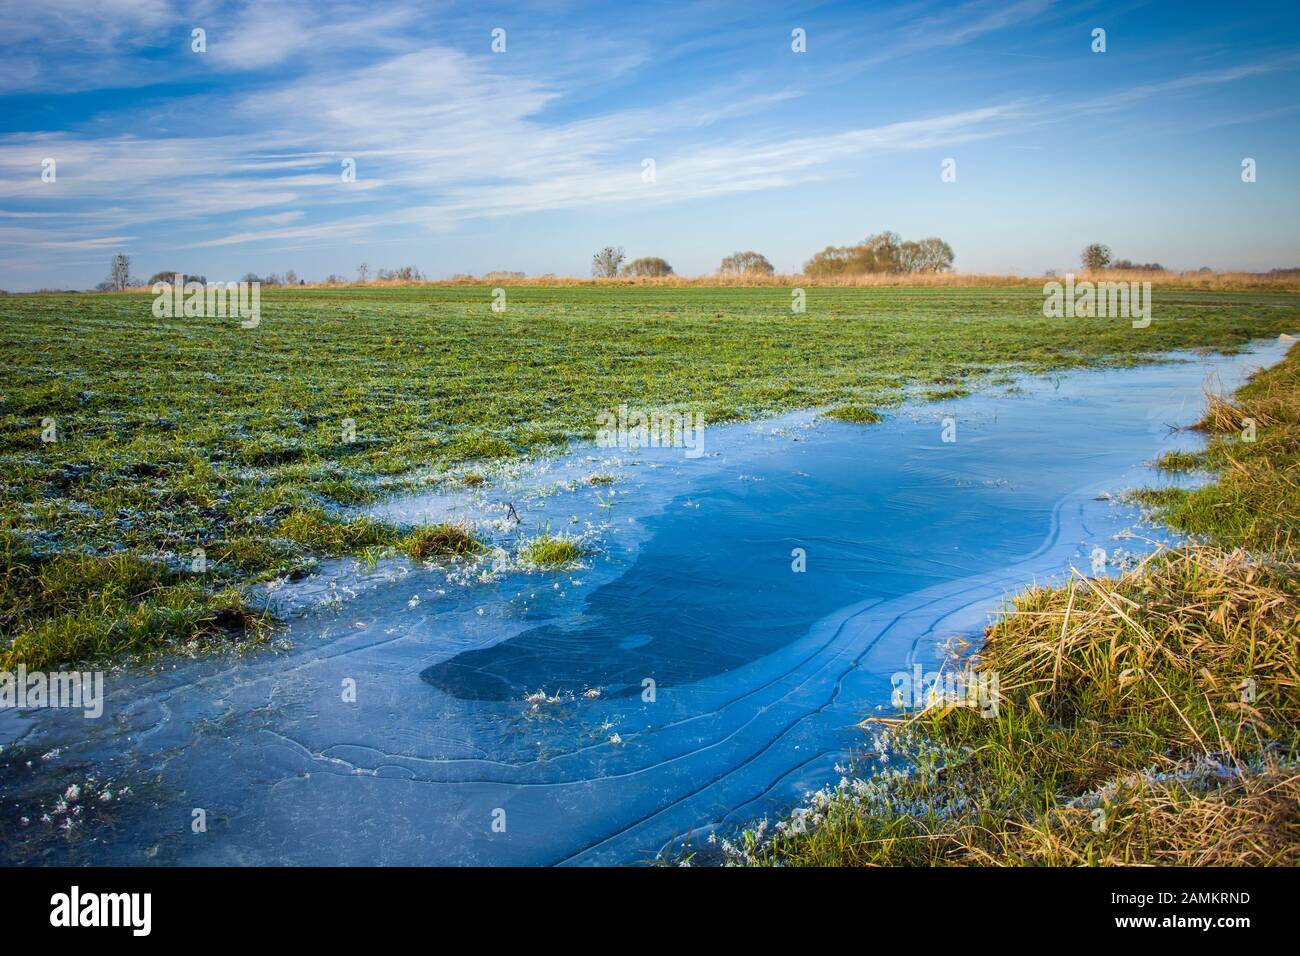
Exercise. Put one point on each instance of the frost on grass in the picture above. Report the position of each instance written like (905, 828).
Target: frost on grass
(876, 789)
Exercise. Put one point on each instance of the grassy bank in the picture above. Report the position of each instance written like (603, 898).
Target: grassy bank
(257, 445)
(1254, 447)
(1151, 719)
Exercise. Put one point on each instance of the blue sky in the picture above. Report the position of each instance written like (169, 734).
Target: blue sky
(229, 161)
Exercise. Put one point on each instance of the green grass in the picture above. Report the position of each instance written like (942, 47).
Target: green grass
(75, 607)
(944, 394)
(1179, 461)
(178, 434)
(857, 414)
(1254, 446)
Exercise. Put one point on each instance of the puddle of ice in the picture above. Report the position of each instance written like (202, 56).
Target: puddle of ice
(490, 696)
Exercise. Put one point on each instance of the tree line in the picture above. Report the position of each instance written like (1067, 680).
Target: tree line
(1096, 256)
(881, 253)
(885, 252)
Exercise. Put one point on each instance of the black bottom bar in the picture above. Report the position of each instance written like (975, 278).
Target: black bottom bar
(335, 905)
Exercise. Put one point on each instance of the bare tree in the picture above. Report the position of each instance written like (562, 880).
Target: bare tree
(746, 263)
(927, 255)
(119, 273)
(605, 263)
(400, 274)
(363, 272)
(883, 252)
(170, 276)
(648, 266)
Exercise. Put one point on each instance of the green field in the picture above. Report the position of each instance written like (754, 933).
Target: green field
(176, 434)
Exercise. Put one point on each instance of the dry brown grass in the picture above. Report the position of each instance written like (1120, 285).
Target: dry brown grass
(1191, 625)
(1252, 820)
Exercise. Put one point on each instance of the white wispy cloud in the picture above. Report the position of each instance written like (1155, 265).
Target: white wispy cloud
(272, 32)
(72, 45)
(1118, 99)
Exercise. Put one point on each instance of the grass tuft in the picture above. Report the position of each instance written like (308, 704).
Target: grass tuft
(551, 551)
(857, 414)
(1179, 461)
(322, 533)
(441, 540)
